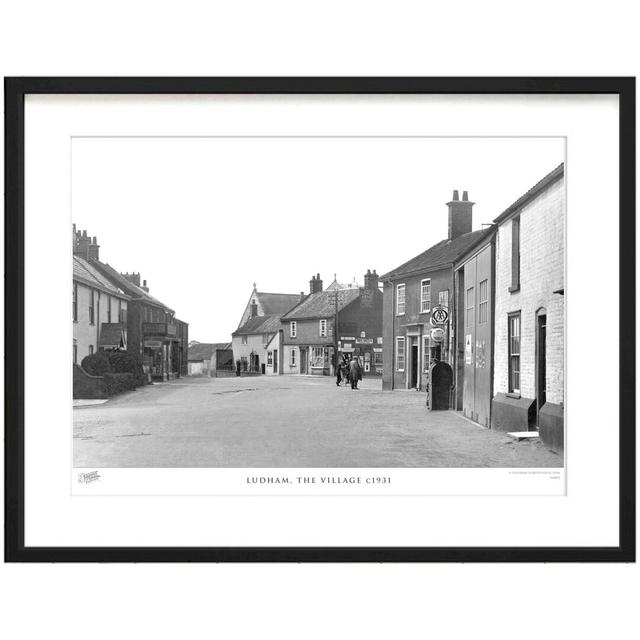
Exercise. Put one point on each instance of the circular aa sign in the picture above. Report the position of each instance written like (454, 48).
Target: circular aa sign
(439, 315)
(437, 335)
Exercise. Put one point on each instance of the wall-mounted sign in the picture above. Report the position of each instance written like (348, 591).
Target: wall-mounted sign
(347, 338)
(364, 340)
(347, 347)
(437, 334)
(467, 349)
(153, 343)
(439, 315)
(377, 350)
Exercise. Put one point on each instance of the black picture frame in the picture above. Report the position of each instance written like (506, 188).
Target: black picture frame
(15, 91)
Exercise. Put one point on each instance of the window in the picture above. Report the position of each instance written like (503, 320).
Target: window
(425, 296)
(483, 302)
(400, 354)
(109, 309)
(377, 358)
(515, 254)
(244, 339)
(75, 354)
(91, 306)
(293, 358)
(122, 314)
(270, 358)
(323, 328)
(400, 300)
(469, 305)
(426, 354)
(293, 330)
(318, 357)
(90, 349)
(75, 302)
(514, 353)
(443, 298)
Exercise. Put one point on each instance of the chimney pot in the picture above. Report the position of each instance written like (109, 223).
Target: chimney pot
(455, 195)
(465, 196)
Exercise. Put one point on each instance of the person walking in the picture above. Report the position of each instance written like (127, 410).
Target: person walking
(355, 372)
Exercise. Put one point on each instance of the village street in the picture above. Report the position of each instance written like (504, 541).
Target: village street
(286, 421)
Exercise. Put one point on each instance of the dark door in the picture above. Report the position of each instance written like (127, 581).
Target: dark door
(541, 362)
(275, 361)
(414, 366)
(303, 361)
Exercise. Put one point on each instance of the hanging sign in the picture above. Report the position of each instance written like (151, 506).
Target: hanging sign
(437, 335)
(439, 315)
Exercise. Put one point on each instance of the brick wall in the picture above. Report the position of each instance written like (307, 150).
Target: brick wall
(396, 326)
(541, 273)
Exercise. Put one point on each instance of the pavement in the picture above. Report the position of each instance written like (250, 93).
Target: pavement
(287, 421)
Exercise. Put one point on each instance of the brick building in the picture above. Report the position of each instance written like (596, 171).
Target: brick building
(412, 291)
(529, 313)
(309, 340)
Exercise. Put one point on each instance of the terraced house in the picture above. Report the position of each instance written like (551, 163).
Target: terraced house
(99, 309)
(412, 291)
(310, 342)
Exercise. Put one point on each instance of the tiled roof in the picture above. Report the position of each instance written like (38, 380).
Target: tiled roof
(85, 272)
(112, 334)
(258, 325)
(322, 304)
(133, 290)
(206, 350)
(440, 255)
(277, 303)
(549, 179)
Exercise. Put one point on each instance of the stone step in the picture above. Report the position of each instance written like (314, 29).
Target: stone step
(523, 435)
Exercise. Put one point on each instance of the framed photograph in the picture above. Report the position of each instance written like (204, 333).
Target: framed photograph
(320, 319)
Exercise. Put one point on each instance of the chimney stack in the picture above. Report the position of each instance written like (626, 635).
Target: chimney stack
(315, 284)
(371, 280)
(144, 286)
(302, 296)
(134, 278)
(85, 246)
(254, 309)
(460, 215)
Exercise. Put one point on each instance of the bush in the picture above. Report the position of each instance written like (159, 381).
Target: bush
(118, 382)
(97, 364)
(126, 362)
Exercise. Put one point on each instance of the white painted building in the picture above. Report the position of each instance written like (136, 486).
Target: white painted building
(528, 383)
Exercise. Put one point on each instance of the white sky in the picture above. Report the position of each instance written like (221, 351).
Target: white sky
(201, 219)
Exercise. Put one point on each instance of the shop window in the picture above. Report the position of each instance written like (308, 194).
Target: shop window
(426, 353)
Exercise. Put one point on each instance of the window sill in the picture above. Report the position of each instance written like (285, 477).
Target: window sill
(511, 394)
(398, 315)
(425, 312)
(514, 288)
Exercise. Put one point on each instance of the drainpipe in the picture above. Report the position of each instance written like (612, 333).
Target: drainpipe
(393, 336)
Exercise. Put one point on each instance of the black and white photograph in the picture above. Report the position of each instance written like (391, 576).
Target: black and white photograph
(318, 302)
(330, 307)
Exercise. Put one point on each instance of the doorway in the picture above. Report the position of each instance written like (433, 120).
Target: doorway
(275, 361)
(413, 380)
(541, 361)
(303, 361)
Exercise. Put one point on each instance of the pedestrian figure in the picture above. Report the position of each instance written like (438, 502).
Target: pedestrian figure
(355, 372)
